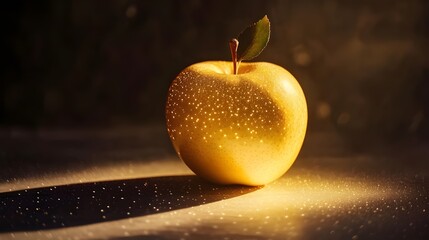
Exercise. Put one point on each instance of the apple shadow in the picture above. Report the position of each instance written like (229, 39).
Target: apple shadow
(95, 202)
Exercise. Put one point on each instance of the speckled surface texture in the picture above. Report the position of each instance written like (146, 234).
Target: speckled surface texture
(128, 184)
(227, 127)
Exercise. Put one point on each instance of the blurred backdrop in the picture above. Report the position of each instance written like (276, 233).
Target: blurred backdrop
(363, 65)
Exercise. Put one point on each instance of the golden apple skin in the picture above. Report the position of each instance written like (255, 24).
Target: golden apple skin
(236, 129)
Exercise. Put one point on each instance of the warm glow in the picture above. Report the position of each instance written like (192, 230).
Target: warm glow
(236, 129)
(301, 199)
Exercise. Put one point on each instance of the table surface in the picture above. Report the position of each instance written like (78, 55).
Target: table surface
(127, 183)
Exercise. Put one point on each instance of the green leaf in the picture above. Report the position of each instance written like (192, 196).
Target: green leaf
(254, 39)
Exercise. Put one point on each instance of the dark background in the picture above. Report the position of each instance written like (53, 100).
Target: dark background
(363, 65)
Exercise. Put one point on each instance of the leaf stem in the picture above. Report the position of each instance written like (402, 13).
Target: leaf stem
(233, 46)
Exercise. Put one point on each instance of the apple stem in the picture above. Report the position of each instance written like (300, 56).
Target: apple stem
(233, 45)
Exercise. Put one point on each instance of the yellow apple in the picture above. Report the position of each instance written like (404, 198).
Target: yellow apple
(245, 128)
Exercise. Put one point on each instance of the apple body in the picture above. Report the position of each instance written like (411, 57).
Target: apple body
(244, 129)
